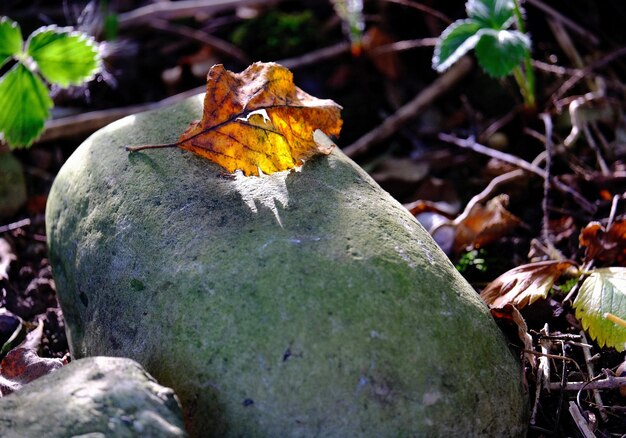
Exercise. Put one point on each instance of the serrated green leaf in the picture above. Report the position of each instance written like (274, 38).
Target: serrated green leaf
(63, 56)
(499, 52)
(10, 39)
(24, 106)
(604, 291)
(494, 14)
(458, 39)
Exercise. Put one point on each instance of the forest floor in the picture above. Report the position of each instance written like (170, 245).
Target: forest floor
(498, 184)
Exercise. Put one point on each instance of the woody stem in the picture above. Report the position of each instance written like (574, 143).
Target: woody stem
(150, 146)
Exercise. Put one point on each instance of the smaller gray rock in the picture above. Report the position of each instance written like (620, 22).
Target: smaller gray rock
(93, 397)
(12, 185)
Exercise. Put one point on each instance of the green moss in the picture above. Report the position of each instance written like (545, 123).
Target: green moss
(276, 34)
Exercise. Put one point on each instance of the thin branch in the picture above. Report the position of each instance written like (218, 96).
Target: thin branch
(202, 37)
(610, 382)
(493, 153)
(15, 225)
(567, 22)
(400, 46)
(424, 8)
(590, 368)
(545, 228)
(580, 420)
(185, 8)
(86, 123)
(315, 56)
(580, 74)
(426, 97)
(522, 164)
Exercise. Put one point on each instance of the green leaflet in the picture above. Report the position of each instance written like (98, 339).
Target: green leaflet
(604, 291)
(499, 52)
(10, 39)
(63, 57)
(492, 14)
(458, 38)
(24, 106)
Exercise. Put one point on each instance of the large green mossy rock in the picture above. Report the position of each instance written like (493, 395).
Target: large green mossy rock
(97, 397)
(298, 304)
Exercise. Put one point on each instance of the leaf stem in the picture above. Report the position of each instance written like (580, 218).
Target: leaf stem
(150, 146)
(525, 79)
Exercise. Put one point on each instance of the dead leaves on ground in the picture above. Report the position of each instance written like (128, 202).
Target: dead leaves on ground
(485, 224)
(525, 284)
(258, 121)
(605, 245)
(22, 364)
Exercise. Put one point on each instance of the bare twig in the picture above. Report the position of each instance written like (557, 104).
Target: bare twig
(590, 369)
(424, 8)
(604, 169)
(610, 382)
(613, 211)
(180, 9)
(522, 164)
(567, 22)
(400, 46)
(315, 56)
(86, 123)
(493, 153)
(545, 228)
(411, 109)
(543, 372)
(586, 72)
(581, 422)
(207, 39)
(15, 225)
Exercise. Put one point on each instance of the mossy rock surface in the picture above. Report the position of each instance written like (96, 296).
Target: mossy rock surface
(99, 397)
(298, 304)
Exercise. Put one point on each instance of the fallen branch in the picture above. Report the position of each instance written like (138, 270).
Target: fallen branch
(179, 9)
(411, 109)
(86, 123)
(518, 162)
(217, 44)
(610, 382)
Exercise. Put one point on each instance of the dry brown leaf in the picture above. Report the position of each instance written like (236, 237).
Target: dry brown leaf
(525, 284)
(22, 365)
(508, 315)
(485, 224)
(605, 245)
(386, 63)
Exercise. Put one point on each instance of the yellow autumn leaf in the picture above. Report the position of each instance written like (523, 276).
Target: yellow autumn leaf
(258, 121)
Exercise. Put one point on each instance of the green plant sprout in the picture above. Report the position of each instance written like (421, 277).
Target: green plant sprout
(500, 50)
(58, 55)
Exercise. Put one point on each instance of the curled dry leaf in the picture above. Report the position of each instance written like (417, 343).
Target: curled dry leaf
(508, 315)
(605, 245)
(485, 224)
(525, 284)
(258, 121)
(22, 364)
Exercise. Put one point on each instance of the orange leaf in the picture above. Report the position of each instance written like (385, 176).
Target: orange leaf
(258, 121)
(525, 284)
(484, 225)
(605, 245)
